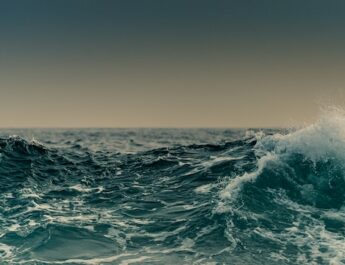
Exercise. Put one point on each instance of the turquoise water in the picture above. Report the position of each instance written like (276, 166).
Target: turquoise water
(169, 196)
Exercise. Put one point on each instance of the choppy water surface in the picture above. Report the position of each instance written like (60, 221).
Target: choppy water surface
(165, 196)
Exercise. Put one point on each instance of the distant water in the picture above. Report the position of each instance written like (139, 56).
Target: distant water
(168, 196)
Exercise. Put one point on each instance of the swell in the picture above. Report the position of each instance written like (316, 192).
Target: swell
(114, 203)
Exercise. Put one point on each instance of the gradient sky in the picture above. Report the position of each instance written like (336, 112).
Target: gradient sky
(154, 63)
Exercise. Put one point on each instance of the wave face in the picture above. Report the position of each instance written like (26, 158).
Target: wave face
(174, 196)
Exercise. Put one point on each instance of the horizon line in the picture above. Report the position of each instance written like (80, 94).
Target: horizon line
(145, 127)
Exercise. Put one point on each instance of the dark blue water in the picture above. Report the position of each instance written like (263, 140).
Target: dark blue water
(166, 196)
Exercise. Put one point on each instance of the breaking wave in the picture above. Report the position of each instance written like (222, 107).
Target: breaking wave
(295, 197)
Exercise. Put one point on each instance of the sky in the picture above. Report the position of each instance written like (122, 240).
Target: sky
(154, 63)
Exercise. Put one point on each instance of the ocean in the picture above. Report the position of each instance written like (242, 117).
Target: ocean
(173, 196)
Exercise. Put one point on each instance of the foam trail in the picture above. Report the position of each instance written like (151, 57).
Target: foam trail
(234, 186)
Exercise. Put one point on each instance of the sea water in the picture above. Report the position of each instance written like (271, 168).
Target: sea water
(174, 196)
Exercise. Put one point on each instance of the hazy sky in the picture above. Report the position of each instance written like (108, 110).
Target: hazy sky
(154, 63)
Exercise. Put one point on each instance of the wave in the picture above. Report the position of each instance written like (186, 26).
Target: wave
(295, 197)
(308, 163)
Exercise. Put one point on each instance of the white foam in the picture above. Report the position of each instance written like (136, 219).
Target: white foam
(80, 188)
(93, 261)
(134, 260)
(13, 227)
(319, 141)
(254, 134)
(204, 188)
(6, 251)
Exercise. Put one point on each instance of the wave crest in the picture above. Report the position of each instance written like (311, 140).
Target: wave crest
(15, 145)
